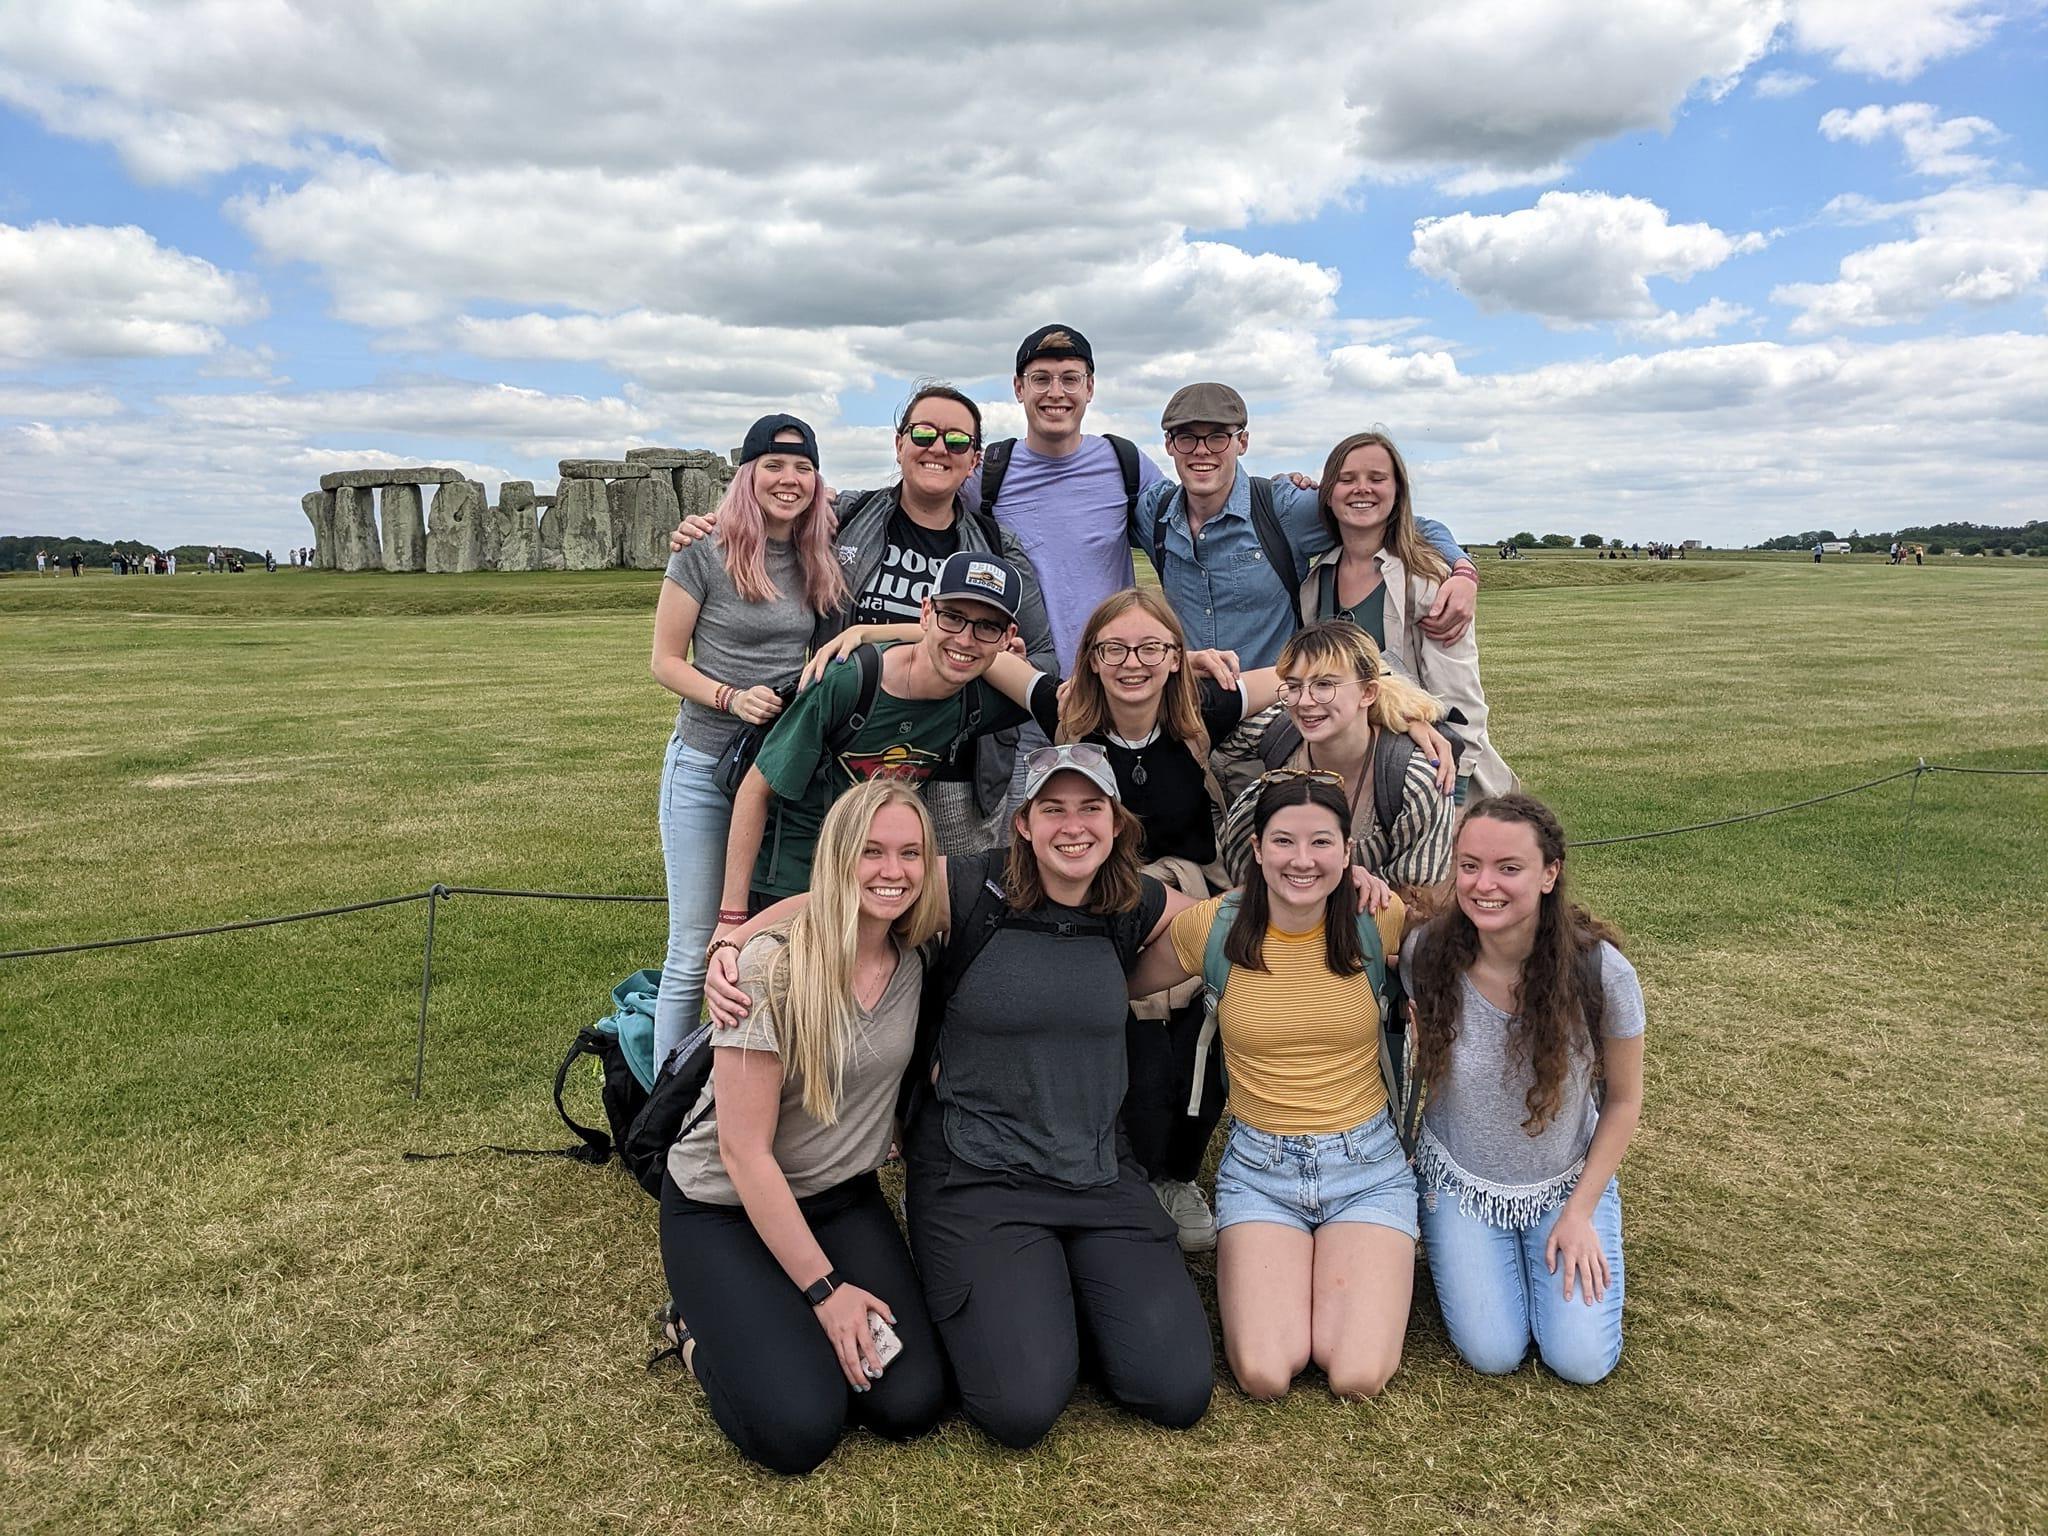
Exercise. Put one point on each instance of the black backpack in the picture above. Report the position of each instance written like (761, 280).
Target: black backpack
(1279, 554)
(745, 744)
(995, 464)
(663, 1117)
(1392, 753)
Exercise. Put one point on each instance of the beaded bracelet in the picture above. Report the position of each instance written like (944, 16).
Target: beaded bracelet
(722, 697)
(718, 944)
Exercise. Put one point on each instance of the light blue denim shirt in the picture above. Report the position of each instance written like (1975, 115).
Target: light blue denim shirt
(1227, 596)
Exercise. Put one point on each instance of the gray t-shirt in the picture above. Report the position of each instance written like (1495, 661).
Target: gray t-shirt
(1031, 1056)
(813, 1156)
(737, 641)
(1473, 1144)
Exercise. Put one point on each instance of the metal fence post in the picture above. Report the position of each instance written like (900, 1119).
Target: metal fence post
(1906, 828)
(419, 1066)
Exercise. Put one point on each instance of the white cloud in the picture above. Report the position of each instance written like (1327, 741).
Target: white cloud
(1708, 320)
(1777, 84)
(88, 290)
(1971, 246)
(1933, 144)
(1893, 39)
(1573, 259)
(1502, 92)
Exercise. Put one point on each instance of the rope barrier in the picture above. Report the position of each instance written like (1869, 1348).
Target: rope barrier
(435, 894)
(1729, 821)
(194, 933)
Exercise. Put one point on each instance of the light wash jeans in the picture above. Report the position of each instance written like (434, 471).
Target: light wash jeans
(695, 817)
(1496, 1295)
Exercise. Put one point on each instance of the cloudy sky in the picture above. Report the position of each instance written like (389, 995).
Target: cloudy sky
(1653, 268)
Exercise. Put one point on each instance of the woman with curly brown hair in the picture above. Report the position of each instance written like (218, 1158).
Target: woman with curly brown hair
(1524, 1010)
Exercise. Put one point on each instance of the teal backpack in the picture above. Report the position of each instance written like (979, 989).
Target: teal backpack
(1395, 1047)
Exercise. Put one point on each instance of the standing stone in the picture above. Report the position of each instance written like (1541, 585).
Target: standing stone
(455, 530)
(487, 530)
(405, 530)
(551, 557)
(355, 530)
(697, 494)
(619, 499)
(664, 513)
(518, 533)
(319, 509)
(585, 516)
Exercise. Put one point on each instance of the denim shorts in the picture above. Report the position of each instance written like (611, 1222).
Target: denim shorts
(1305, 1181)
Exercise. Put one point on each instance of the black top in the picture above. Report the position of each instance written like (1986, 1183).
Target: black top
(1162, 784)
(910, 564)
(1031, 1052)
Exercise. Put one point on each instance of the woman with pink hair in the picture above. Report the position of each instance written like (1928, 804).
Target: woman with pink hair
(736, 618)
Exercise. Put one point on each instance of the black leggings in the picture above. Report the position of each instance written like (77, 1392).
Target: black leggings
(1167, 1141)
(1019, 1273)
(769, 1372)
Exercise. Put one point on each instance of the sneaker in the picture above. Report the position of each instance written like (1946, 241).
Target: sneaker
(1190, 1212)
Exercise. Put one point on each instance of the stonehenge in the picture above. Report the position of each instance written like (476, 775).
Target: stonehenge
(605, 513)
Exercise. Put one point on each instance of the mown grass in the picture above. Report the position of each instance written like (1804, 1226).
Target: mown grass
(229, 1305)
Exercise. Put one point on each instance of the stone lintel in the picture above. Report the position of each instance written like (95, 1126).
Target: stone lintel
(603, 469)
(369, 479)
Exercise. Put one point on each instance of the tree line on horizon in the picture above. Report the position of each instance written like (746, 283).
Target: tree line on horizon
(18, 552)
(1940, 539)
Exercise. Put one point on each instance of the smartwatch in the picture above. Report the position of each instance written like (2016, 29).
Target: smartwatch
(816, 1292)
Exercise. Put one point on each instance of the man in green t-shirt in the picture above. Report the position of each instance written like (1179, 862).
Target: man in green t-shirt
(930, 700)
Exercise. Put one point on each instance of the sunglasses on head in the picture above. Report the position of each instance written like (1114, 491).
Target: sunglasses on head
(1286, 775)
(923, 434)
(1075, 754)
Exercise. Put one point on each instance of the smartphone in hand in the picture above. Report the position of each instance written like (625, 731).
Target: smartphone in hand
(887, 1345)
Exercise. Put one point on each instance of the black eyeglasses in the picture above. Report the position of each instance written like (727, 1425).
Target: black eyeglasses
(923, 434)
(1187, 442)
(954, 622)
(1114, 653)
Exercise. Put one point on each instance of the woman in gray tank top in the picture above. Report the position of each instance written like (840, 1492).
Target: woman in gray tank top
(1524, 1010)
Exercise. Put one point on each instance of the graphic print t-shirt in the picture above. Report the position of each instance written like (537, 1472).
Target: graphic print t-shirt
(910, 564)
(808, 769)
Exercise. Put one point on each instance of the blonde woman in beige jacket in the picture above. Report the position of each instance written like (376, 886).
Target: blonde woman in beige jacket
(1383, 576)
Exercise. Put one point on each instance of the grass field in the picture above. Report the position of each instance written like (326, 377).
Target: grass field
(229, 1305)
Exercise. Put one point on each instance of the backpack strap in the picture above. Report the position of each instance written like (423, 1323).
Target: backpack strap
(1594, 986)
(1159, 518)
(995, 463)
(1326, 591)
(1392, 753)
(1273, 538)
(1126, 453)
(1215, 977)
(597, 1145)
(868, 658)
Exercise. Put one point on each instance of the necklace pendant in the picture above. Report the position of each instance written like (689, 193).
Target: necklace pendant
(1138, 773)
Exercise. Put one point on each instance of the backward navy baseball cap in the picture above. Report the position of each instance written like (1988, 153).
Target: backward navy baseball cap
(981, 578)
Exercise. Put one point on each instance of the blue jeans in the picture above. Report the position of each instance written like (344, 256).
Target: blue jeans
(1496, 1295)
(695, 817)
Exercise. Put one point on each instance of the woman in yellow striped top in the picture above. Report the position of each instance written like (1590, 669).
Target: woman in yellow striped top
(1315, 1202)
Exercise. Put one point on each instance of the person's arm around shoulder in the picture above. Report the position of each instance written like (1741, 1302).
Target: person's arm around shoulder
(1301, 516)
(1574, 1247)
(1173, 950)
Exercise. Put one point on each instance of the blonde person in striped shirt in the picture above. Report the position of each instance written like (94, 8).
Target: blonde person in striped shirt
(1315, 1201)
(1352, 714)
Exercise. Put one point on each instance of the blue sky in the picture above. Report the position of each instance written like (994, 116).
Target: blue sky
(1681, 268)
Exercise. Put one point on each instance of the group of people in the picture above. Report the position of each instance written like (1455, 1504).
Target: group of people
(979, 851)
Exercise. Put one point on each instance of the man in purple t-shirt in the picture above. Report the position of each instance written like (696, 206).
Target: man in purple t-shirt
(1063, 492)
